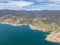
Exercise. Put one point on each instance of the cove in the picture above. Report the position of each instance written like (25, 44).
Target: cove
(22, 35)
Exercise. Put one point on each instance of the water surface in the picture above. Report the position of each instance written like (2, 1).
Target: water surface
(22, 35)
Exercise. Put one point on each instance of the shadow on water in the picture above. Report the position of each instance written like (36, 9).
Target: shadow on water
(22, 35)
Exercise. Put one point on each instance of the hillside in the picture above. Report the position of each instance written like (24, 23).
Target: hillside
(41, 19)
(45, 20)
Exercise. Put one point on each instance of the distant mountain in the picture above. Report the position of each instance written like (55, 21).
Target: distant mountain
(32, 14)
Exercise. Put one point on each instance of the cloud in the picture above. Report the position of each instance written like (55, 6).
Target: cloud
(55, 0)
(34, 7)
(14, 4)
(30, 4)
(53, 5)
(19, 3)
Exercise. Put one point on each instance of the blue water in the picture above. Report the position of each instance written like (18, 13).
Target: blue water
(22, 35)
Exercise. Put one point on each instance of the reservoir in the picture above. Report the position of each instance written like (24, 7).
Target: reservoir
(22, 35)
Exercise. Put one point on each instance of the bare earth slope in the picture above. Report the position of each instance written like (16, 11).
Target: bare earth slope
(46, 20)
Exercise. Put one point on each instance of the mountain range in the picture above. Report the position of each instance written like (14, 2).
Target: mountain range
(32, 14)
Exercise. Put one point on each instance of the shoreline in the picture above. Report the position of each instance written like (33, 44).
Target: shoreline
(56, 37)
(12, 24)
(30, 25)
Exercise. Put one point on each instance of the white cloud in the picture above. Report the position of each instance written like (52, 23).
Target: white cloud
(56, 3)
(19, 3)
(55, 0)
(36, 7)
(15, 4)
(27, 5)
(53, 6)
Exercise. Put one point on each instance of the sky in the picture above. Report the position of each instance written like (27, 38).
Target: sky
(30, 4)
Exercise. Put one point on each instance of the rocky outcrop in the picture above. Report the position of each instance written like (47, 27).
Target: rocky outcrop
(54, 37)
